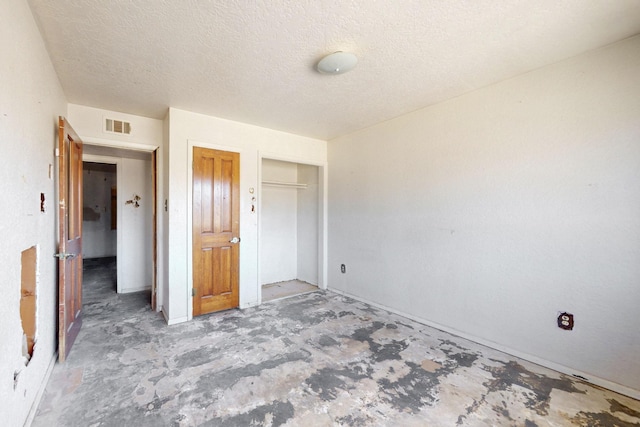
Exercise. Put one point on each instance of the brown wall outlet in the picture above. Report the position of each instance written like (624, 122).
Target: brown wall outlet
(565, 321)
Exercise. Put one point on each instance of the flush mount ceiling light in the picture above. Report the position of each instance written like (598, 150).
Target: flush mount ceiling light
(337, 63)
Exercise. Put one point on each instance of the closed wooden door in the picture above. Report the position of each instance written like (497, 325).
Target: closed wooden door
(216, 230)
(70, 246)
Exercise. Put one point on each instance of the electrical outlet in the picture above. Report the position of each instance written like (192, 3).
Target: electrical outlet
(565, 321)
(343, 268)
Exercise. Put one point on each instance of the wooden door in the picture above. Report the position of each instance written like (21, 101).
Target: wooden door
(216, 230)
(70, 246)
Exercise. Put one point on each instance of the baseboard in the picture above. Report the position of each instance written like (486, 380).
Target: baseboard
(172, 321)
(600, 382)
(36, 402)
(133, 290)
(249, 305)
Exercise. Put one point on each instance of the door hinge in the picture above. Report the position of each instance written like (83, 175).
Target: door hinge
(193, 292)
(64, 256)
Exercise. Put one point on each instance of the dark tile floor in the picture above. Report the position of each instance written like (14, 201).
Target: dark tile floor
(318, 359)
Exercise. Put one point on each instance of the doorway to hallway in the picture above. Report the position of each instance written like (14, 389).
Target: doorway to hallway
(118, 224)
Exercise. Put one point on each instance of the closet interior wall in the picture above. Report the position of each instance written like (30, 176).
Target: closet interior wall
(289, 222)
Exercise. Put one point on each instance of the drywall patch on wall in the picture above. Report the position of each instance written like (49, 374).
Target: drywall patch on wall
(28, 301)
(90, 214)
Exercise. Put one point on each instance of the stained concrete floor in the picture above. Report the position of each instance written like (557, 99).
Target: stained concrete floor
(318, 359)
(274, 291)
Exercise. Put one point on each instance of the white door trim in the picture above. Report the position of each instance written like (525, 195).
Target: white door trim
(322, 213)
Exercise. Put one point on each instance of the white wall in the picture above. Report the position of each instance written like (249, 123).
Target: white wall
(88, 122)
(490, 213)
(163, 210)
(31, 99)
(98, 239)
(307, 224)
(279, 223)
(135, 251)
(187, 129)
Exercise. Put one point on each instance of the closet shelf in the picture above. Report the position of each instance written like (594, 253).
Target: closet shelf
(284, 184)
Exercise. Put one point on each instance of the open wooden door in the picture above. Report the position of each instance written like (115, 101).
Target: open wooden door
(216, 228)
(70, 246)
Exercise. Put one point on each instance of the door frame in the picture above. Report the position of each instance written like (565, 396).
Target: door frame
(157, 275)
(190, 145)
(323, 185)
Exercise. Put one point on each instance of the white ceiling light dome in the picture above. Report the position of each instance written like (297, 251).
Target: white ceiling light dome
(337, 63)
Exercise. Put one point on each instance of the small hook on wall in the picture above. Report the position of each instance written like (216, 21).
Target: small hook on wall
(134, 201)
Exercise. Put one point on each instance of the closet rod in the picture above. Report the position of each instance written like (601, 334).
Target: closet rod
(284, 184)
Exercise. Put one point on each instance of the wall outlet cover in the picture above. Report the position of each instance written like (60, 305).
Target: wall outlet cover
(565, 321)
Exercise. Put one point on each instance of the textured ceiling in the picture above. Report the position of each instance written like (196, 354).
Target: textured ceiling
(253, 60)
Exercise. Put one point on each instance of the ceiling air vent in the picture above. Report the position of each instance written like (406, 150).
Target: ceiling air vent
(117, 126)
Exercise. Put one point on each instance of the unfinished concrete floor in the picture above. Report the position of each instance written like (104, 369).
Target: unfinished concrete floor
(274, 291)
(318, 359)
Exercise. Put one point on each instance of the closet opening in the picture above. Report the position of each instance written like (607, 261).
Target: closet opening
(289, 223)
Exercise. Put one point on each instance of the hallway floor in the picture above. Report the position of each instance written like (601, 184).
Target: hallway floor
(318, 359)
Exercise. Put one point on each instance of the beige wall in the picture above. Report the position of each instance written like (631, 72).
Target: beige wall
(31, 99)
(489, 214)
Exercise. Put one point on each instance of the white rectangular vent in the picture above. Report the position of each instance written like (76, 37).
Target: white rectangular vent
(117, 126)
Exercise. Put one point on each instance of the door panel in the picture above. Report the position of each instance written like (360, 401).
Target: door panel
(216, 209)
(70, 243)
